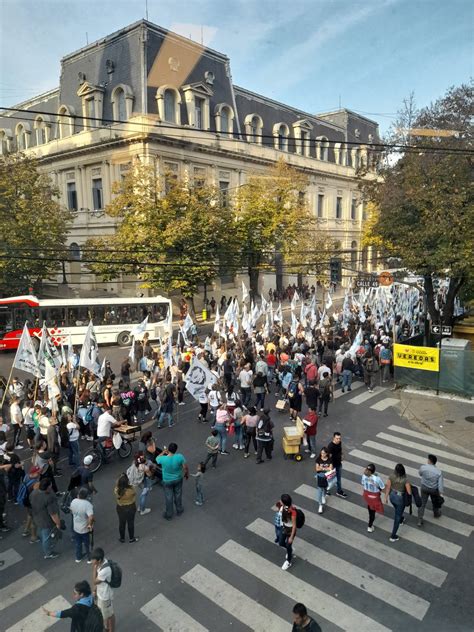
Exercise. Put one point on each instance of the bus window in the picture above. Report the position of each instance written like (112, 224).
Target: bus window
(53, 316)
(25, 313)
(78, 316)
(6, 319)
(96, 314)
(159, 312)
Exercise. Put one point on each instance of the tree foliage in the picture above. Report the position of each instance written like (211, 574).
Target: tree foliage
(31, 219)
(422, 205)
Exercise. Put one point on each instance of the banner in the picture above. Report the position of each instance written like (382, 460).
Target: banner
(198, 378)
(90, 351)
(424, 358)
(139, 329)
(25, 358)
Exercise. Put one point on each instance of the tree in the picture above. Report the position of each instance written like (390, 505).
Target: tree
(422, 204)
(33, 224)
(273, 220)
(173, 239)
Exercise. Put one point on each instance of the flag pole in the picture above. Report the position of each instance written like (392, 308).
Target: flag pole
(6, 386)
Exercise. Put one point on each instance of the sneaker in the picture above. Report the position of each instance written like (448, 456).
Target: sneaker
(224, 452)
(242, 447)
(145, 512)
(320, 509)
(34, 541)
(395, 539)
(25, 534)
(89, 561)
(308, 451)
(370, 529)
(246, 456)
(51, 556)
(341, 494)
(122, 540)
(5, 529)
(134, 540)
(420, 523)
(235, 446)
(286, 565)
(198, 503)
(328, 493)
(79, 561)
(89, 438)
(312, 456)
(19, 446)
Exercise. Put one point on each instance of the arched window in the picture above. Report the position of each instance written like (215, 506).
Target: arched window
(75, 251)
(41, 131)
(122, 102)
(323, 148)
(281, 133)
(342, 154)
(224, 117)
(354, 254)
(365, 257)
(20, 137)
(121, 109)
(65, 122)
(356, 158)
(170, 106)
(4, 145)
(253, 128)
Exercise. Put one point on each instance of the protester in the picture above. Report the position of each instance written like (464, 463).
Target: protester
(125, 498)
(83, 523)
(288, 532)
(174, 469)
(212, 445)
(373, 486)
(310, 422)
(45, 513)
(264, 433)
(80, 612)
(335, 450)
(302, 622)
(432, 486)
(396, 489)
(325, 477)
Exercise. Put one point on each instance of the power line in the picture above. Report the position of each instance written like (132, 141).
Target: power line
(301, 142)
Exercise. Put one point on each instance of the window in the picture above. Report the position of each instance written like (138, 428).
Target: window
(364, 211)
(224, 189)
(365, 258)
(54, 316)
(90, 113)
(20, 138)
(65, 122)
(224, 119)
(353, 208)
(198, 112)
(304, 143)
(199, 176)
(323, 147)
(320, 204)
(338, 207)
(40, 127)
(171, 171)
(97, 194)
(301, 198)
(121, 107)
(354, 254)
(75, 251)
(356, 160)
(122, 102)
(170, 106)
(281, 133)
(253, 128)
(342, 155)
(71, 196)
(3, 143)
(24, 313)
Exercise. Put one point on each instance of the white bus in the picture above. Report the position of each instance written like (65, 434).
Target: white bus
(113, 318)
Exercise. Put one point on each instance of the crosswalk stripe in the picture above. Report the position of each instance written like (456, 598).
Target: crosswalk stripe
(403, 454)
(236, 603)
(9, 557)
(387, 554)
(427, 540)
(363, 397)
(444, 521)
(384, 464)
(296, 589)
(385, 403)
(375, 586)
(450, 456)
(21, 588)
(38, 620)
(167, 616)
(417, 435)
(354, 387)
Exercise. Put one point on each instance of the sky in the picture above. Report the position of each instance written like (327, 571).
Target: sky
(312, 54)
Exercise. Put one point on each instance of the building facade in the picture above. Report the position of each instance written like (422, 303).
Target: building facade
(144, 93)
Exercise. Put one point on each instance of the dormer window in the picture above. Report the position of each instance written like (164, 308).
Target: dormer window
(92, 104)
(302, 130)
(65, 121)
(42, 129)
(253, 128)
(4, 142)
(22, 134)
(323, 148)
(168, 101)
(281, 133)
(197, 97)
(224, 117)
(122, 102)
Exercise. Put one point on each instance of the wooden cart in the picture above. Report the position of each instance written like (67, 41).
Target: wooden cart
(292, 440)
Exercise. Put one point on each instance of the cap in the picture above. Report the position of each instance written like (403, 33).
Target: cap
(88, 459)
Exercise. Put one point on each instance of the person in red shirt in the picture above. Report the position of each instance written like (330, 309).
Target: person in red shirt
(271, 362)
(311, 372)
(311, 424)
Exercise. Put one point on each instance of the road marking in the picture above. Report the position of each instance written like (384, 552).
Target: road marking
(358, 399)
(38, 621)
(387, 554)
(385, 464)
(354, 387)
(9, 557)
(20, 589)
(444, 521)
(451, 456)
(385, 403)
(416, 458)
(296, 589)
(375, 586)
(243, 608)
(427, 540)
(418, 435)
(167, 616)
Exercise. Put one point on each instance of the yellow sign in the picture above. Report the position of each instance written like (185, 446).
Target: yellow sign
(424, 358)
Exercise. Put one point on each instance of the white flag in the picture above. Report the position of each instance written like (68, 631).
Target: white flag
(198, 378)
(328, 301)
(51, 379)
(294, 325)
(25, 358)
(63, 356)
(47, 350)
(70, 354)
(278, 315)
(90, 351)
(131, 353)
(187, 324)
(102, 370)
(140, 328)
(217, 321)
(294, 300)
(245, 293)
(168, 355)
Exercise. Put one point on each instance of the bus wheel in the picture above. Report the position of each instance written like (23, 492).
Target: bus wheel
(123, 339)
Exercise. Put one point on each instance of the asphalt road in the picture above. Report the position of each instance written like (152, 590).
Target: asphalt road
(219, 566)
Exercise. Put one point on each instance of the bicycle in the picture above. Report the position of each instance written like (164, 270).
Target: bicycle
(109, 449)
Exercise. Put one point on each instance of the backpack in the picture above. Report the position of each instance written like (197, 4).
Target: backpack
(94, 621)
(135, 476)
(292, 389)
(24, 491)
(89, 417)
(67, 500)
(300, 519)
(116, 578)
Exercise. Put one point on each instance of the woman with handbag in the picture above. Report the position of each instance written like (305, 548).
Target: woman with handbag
(325, 477)
(396, 489)
(125, 497)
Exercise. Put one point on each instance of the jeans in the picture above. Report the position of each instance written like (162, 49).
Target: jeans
(386, 372)
(238, 435)
(74, 454)
(46, 541)
(260, 401)
(246, 395)
(199, 494)
(81, 539)
(162, 417)
(222, 431)
(398, 502)
(312, 443)
(346, 379)
(264, 445)
(147, 483)
(426, 493)
(126, 516)
(30, 526)
(284, 542)
(338, 469)
(141, 416)
(213, 456)
(323, 404)
(321, 491)
(101, 447)
(173, 494)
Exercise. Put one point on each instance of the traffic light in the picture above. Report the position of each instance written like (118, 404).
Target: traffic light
(336, 271)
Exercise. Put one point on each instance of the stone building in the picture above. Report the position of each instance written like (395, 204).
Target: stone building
(146, 93)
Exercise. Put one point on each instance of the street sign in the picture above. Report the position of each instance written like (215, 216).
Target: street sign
(443, 330)
(366, 282)
(386, 278)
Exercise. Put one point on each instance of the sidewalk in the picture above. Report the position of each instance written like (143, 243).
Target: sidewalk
(447, 416)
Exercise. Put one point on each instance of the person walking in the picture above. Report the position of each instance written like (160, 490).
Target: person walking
(82, 524)
(371, 367)
(198, 476)
(396, 489)
(431, 487)
(80, 611)
(16, 420)
(264, 436)
(325, 392)
(45, 512)
(73, 428)
(335, 450)
(373, 486)
(347, 372)
(260, 388)
(212, 445)
(325, 477)
(288, 531)
(250, 421)
(245, 379)
(310, 422)
(221, 424)
(101, 578)
(174, 469)
(125, 498)
(302, 622)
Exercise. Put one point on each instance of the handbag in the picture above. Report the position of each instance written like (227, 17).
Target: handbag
(322, 480)
(330, 475)
(280, 405)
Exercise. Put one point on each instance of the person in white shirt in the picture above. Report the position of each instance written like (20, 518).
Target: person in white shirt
(72, 428)
(214, 399)
(101, 579)
(105, 423)
(16, 419)
(17, 389)
(28, 422)
(82, 523)
(323, 369)
(245, 379)
(204, 402)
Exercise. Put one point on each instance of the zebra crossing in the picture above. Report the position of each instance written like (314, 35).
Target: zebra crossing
(366, 397)
(348, 578)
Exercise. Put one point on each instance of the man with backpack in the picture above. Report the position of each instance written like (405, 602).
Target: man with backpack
(291, 517)
(84, 614)
(106, 576)
(30, 482)
(325, 392)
